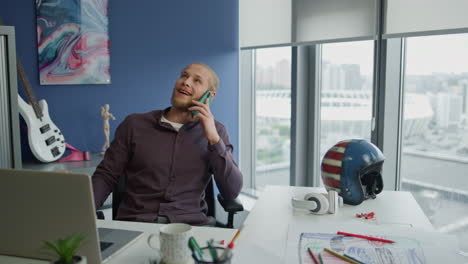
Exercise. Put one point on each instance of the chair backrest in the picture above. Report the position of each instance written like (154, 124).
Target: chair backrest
(119, 192)
(210, 198)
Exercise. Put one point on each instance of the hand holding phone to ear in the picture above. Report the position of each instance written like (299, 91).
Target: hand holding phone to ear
(201, 109)
(206, 97)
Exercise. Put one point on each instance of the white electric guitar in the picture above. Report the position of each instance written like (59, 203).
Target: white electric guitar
(45, 139)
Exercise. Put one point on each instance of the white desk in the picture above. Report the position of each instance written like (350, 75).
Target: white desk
(265, 232)
(139, 252)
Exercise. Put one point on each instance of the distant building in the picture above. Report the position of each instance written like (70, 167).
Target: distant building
(345, 111)
(449, 109)
(464, 88)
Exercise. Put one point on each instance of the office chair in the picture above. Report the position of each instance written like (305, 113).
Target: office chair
(229, 206)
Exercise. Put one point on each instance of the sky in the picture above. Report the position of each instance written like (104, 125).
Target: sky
(424, 55)
(445, 53)
(271, 56)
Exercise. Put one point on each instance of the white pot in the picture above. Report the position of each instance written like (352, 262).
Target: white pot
(75, 260)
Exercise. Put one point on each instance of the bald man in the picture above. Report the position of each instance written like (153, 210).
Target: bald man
(168, 157)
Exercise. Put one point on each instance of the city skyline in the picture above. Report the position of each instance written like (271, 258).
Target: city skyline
(424, 55)
(274, 73)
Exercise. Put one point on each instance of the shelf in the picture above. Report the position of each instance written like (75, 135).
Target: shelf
(86, 167)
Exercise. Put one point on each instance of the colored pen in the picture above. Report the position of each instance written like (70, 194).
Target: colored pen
(214, 254)
(340, 256)
(321, 259)
(365, 237)
(314, 258)
(195, 247)
(358, 261)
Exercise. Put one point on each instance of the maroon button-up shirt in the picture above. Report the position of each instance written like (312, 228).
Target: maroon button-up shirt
(167, 171)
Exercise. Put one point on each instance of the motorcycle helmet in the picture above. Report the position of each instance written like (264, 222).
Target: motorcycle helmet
(353, 169)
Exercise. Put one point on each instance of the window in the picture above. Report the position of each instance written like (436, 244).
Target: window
(434, 134)
(273, 116)
(434, 159)
(346, 93)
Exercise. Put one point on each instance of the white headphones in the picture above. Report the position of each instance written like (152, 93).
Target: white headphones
(319, 203)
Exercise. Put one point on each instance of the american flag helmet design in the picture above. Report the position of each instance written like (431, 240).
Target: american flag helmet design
(353, 169)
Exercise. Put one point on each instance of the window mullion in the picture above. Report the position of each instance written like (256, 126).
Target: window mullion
(314, 114)
(391, 115)
(246, 119)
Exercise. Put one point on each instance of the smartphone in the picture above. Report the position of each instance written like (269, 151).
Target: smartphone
(205, 96)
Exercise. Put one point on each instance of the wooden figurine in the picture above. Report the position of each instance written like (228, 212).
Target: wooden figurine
(105, 117)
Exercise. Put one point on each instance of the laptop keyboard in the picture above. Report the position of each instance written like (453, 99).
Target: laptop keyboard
(104, 245)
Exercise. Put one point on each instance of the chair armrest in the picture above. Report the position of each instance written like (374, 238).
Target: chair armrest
(230, 206)
(100, 215)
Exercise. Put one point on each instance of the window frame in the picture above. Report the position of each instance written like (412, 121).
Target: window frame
(247, 119)
(387, 116)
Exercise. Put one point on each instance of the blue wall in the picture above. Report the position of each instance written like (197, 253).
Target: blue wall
(150, 43)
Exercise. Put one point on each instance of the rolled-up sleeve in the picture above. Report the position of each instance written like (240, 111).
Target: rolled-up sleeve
(113, 165)
(227, 175)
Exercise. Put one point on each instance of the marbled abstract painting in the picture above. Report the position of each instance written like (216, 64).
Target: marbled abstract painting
(73, 41)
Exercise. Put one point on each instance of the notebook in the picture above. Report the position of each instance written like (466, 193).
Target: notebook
(39, 206)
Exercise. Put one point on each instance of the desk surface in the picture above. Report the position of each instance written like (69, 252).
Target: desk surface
(139, 252)
(265, 232)
(269, 221)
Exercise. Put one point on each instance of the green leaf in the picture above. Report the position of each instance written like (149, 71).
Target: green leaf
(66, 248)
(51, 246)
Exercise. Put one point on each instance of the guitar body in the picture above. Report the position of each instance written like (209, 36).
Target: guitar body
(45, 139)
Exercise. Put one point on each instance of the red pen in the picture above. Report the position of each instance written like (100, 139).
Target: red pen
(365, 237)
(314, 258)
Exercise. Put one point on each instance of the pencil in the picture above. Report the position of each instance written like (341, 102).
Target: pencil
(321, 259)
(226, 251)
(314, 258)
(358, 261)
(236, 235)
(340, 256)
(365, 237)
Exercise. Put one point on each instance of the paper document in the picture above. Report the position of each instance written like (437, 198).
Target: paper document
(412, 246)
(404, 251)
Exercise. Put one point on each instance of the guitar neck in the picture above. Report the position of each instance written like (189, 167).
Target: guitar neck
(28, 90)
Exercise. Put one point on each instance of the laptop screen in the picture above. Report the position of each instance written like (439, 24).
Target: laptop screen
(45, 206)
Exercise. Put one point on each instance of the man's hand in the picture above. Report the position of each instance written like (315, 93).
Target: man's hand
(206, 119)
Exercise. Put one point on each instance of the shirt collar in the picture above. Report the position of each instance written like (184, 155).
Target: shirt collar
(159, 114)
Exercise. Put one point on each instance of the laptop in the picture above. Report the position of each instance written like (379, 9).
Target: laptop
(39, 206)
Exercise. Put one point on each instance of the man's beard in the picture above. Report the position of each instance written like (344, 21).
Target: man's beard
(180, 105)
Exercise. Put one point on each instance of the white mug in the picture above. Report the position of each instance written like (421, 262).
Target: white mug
(173, 243)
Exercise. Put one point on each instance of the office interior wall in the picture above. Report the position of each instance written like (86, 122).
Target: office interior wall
(150, 43)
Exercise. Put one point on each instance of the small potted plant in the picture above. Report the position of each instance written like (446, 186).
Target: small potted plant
(66, 249)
